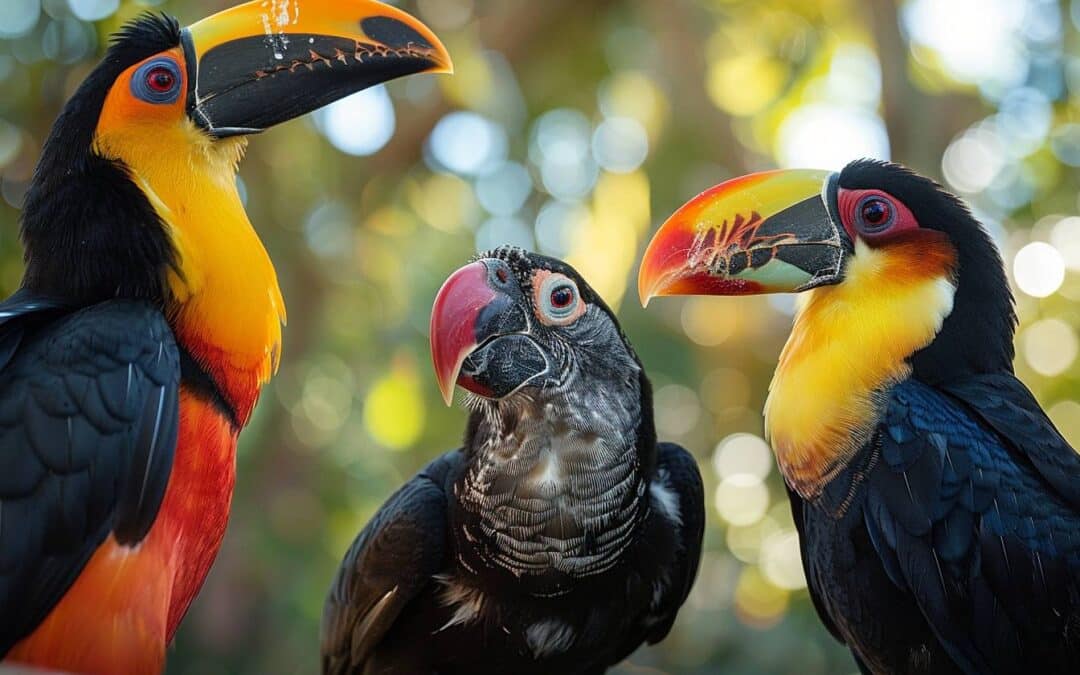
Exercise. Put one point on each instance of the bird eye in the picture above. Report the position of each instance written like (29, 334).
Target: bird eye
(557, 299)
(157, 81)
(874, 214)
(160, 79)
(562, 297)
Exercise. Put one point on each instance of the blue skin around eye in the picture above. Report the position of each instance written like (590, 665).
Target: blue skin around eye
(142, 90)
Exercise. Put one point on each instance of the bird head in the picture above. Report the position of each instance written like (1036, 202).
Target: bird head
(875, 237)
(513, 322)
(253, 66)
(157, 129)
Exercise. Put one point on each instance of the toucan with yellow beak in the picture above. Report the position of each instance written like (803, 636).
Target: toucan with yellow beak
(938, 508)
(149, 316)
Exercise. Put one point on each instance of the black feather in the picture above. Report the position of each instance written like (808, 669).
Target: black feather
(88, 423)
(89, 232)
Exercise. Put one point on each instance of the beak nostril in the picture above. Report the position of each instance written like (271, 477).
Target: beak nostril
(498, 273)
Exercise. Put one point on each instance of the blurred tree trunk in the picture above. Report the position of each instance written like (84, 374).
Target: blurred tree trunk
(920, 125)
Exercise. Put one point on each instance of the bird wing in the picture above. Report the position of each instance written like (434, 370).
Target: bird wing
(392, 559)
(1010, 409)
(969, 524)
(678, 471)
(88, 423)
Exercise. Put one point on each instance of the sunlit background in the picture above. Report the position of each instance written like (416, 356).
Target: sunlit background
(573, 127)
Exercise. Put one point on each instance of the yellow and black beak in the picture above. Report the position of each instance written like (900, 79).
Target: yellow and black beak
(770, 232)
(267, 61)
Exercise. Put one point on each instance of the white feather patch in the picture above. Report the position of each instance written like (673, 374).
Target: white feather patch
(665, 498)
(467, 601)
(549, 637)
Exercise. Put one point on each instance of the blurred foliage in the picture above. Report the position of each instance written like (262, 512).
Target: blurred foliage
(574, 127)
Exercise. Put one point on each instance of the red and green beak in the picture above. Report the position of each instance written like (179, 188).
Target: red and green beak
(261, 63)
(769, 232)
(481, 334)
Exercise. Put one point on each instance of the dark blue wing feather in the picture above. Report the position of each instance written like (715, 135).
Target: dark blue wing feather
(88, 423)
(1009, 408)
(22, 308)
(965, 519)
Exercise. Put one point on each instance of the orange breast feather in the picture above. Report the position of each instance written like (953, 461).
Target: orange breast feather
(123, 609)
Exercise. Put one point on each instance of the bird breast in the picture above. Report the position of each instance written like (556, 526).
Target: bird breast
(560, 490)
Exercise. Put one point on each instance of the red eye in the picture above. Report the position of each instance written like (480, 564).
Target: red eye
(875, 212)
(562, 297)
(160, 79)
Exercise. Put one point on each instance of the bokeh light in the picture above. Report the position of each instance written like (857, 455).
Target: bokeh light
(10, 142)
(745, 541)
(701, 324)
(1066, 417)
(620, 144)
(467, 143)
(635, 95)
(741, 499)
(781, 560)
(742, 453)
(360, 124)
(1049, 346)
(560, 148)
(854, 76)
(826, 136)
(758, 601)
(18, 17)
(502, 191)
(394, 409)
(743, 81)
(1038, 269)
(91, 10)
(501, 230)
(677, 409)
(556, 224)
(974, 40)
(973, 160)
(328, 230)
(1023, 120)
(1065, 237)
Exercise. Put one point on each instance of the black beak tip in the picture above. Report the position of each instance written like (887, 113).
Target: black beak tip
(394, 34)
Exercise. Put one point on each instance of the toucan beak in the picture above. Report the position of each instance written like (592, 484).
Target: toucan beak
(769, 232)
(261, 63)
(480, 336)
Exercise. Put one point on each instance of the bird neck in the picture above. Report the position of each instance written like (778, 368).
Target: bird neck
(849, 343)
(977, 337)
(222, 294)
(554, 486)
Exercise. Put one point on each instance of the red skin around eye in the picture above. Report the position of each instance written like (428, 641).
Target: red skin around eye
(849, 201)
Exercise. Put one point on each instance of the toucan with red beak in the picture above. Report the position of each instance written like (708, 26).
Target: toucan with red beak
(149, 316)
(938, 508)
(561, 536)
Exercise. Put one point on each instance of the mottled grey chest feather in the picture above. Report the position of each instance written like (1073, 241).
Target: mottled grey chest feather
(556, 484)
